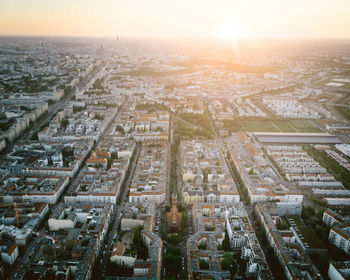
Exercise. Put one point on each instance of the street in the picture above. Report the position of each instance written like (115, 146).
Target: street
(117, 215)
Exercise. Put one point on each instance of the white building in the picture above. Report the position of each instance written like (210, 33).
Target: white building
(330, 218)
(118, 257)
(339, 270)
(10, 254)
(339, 236)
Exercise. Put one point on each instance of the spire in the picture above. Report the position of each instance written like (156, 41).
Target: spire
(174, 199)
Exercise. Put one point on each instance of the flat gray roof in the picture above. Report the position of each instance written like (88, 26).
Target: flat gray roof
(306, 138)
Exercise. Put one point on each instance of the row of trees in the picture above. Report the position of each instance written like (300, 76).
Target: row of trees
(338, 171)
(98, 84)
(77, 109)
(229, 263)
(314, 218)
(271, 258)
(173, 260)
(238, 180)
(150, 108)
(138, 247)
(123, 186)
(173, 173)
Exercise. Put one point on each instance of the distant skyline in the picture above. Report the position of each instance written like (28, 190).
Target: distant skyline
(228, 19)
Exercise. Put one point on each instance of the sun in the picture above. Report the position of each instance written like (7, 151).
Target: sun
(229, 30)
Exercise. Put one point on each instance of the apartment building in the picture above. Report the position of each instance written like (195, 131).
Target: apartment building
(151, 175)
(205, 174)
(104, 174)
(339, 270)
(331, 218)
(9, 253)
(259, 178)
(339, 236)
(288, 247)
(290, 108)
(203, 247)
(300, 168)
(140, 124)
(150, 266)
(33, 189)
(45, 159)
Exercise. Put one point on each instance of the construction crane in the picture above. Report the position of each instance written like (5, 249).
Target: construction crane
(16, 212)
(14, 204)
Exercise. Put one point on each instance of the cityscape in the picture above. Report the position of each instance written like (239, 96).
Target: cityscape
(130, 157)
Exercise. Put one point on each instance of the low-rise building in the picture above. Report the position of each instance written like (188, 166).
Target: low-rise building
(81, 229)
(140, 124)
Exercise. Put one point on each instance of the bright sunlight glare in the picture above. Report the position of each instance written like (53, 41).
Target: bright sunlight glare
(229, 30)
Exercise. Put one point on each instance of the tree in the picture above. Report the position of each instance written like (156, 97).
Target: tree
(203, 264)
(226, 242)
(98, 83)
(163, 231)
(229, 263)
(173, 263)
(67, 89)
(320, 213)
(64, 123)
(307, 212)
(274, 264)
(98, 117)
(282, 225)
(141, 249)
(174, 239)
(184, 218)
(77, 109)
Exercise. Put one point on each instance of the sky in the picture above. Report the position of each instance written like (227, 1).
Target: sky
(177, 18)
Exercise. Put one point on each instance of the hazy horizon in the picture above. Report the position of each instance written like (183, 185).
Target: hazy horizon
(181, 19)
